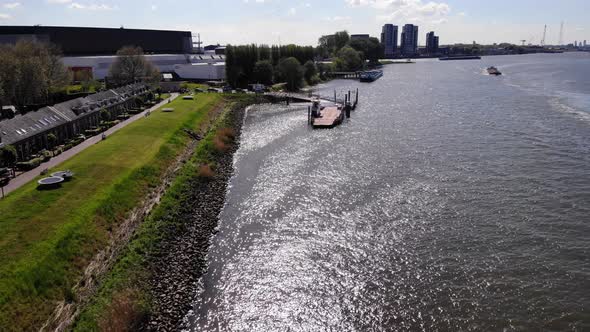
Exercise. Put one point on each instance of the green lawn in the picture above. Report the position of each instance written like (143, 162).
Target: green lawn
(47, 237)
(123, 299)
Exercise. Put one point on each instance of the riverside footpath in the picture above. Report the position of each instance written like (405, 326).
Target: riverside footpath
(29, 176)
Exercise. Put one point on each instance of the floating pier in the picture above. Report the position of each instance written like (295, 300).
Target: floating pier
(333, 115)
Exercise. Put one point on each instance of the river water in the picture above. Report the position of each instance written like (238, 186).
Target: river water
(450, 201)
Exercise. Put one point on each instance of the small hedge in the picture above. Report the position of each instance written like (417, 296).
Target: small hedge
(93, 132)
(29, 165)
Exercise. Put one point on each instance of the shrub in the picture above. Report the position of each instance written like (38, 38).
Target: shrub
(205, 171)
(45, 155)
(227, 134)
(219, 144)
(124, 313)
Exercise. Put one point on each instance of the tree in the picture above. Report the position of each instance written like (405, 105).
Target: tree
(105, 115)
(263, 72)
(329, 45)
(324, 70)
(30, 72)
(341, 38)
(292, 73)
(309, 71)
(348, 59)
(51, 140)
(370, 49)
(8, 155)
(132, 66)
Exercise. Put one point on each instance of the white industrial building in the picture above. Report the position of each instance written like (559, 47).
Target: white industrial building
(186, 66)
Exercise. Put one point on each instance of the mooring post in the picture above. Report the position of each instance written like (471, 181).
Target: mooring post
(309, 114)
(347, 107)
(349, 96)
(334, 95)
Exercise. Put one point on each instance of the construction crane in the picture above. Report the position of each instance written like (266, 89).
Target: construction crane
(561, 34)
(544, 35)
(199, 43)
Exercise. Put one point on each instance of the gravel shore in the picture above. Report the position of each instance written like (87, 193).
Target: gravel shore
(180, 261)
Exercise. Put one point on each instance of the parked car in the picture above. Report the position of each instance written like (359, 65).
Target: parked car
(227, 88)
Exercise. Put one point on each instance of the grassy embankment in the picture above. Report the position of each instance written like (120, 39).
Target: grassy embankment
(123, 301)
(48, 237)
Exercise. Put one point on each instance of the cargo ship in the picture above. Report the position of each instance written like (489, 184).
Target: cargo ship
(370, 75)
(466, 57)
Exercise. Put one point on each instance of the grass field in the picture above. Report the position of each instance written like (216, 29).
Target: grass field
(47, 237)
(123, 300)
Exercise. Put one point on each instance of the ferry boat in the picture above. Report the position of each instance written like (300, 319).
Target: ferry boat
(371, 75)
(493, 71)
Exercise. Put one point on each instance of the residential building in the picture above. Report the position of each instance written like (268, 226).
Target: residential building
(28, 132)
(389, 40)
(409, 40)
(431, 43)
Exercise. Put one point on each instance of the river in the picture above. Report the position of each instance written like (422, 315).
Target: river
(451, 200)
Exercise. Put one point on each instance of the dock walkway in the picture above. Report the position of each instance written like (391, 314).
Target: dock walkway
(302, 97)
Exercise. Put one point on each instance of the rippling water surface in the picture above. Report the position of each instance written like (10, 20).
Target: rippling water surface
(450, 201)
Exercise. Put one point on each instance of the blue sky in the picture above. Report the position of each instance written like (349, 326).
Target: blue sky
(303, 21)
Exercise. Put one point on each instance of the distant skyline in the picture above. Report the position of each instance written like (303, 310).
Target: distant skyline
(303, 22)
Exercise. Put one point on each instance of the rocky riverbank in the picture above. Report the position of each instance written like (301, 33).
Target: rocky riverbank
(179, 261)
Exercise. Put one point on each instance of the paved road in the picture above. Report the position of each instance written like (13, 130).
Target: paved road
(26, 177)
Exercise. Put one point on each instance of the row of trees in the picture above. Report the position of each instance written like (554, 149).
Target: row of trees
(247, 64)
(30, 72)
(295, 65)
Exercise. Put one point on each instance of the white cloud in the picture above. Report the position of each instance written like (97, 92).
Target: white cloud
(337, 18)
(94, 7)
(154, 7)
(292, 11)
(4, 17)
(405, 10)
(11, 5)
(59, 1)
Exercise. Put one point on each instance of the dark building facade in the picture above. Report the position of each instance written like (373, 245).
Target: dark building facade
(431, 43)
(389, 40)
(75, 41)
(361, 36)
(409, 40)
